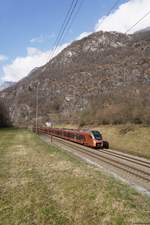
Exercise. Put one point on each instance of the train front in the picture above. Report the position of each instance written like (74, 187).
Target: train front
(97, 139)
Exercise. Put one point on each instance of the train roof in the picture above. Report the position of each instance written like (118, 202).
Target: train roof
(76, 130)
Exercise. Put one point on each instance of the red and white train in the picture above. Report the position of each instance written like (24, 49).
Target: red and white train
(91, 138)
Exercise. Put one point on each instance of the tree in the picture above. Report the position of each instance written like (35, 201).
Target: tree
(4, 115)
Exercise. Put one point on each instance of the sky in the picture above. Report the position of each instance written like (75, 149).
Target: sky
(28, 28)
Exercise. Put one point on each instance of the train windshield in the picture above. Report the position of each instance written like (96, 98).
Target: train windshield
(97, 134)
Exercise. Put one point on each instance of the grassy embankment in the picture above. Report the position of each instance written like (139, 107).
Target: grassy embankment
(134, 139)
(129, 138)
(42, 185)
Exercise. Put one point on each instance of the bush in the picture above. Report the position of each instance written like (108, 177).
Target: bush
(4, 115)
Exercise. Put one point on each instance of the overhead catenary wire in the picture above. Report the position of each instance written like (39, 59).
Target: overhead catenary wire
(65, 25)
(64, 28)
(75, 15)
(110, 10)
(148, 13)
(64, 22)
(113, 7)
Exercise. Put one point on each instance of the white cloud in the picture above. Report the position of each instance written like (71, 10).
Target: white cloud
(3, 58)
(39, 39)
(126, 16)
(42, 38)
(21, 66)
(82, 35)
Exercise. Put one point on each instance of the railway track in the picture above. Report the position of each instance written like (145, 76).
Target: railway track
(138, 168)
(128, 158)
(140, 173)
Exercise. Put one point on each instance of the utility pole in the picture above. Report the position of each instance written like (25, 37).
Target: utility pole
(51, 132)
(37, 107)
(52, 126)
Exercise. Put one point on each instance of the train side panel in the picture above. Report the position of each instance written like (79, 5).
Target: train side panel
(81, 137)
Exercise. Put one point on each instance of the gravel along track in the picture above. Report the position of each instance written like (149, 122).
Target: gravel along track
(134, 170)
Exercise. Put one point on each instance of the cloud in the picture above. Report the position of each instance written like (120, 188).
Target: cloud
(21, 66)
(39, 39)
(82, 35)
(42, 38)
(3, 58)
(125, 17)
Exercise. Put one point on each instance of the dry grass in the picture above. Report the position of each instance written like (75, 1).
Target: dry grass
(134, 139)
(44, 186)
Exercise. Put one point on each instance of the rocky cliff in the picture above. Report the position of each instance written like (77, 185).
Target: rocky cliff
(104, 77)
(6, 84)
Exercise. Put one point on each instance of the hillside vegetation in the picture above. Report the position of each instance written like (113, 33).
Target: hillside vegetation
(4, 115)
(104, 77)
(40, 184)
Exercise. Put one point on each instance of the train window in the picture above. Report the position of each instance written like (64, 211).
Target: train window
(72, 135)
(78, 137)
(97, 134)
(81, 137)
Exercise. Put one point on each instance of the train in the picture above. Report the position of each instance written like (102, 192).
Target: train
(90, 138)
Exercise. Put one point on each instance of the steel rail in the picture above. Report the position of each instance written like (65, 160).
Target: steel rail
(109, 161)
(128, 158)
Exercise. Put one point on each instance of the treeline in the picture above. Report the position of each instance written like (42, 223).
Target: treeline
(4, 115)
(119, 107)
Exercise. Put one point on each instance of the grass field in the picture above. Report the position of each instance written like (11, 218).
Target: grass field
(42, 185)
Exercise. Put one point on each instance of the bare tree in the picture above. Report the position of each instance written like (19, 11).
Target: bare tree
(4, 115)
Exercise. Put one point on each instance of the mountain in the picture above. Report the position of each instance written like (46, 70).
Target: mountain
(102, 78)
(6, 84)
(143, 30)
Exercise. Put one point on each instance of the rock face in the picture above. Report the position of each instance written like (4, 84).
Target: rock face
(6, 85)
(100, 74)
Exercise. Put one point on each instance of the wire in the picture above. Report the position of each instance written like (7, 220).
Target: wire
(62, 27)
(138, 22)
(114, 6)
(111, 9)
(63, 24)
(59, 38)
(75, 15)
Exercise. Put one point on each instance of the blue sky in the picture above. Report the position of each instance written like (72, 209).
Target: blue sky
(29, 28)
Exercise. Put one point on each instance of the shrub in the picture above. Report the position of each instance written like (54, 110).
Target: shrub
(4, 115)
